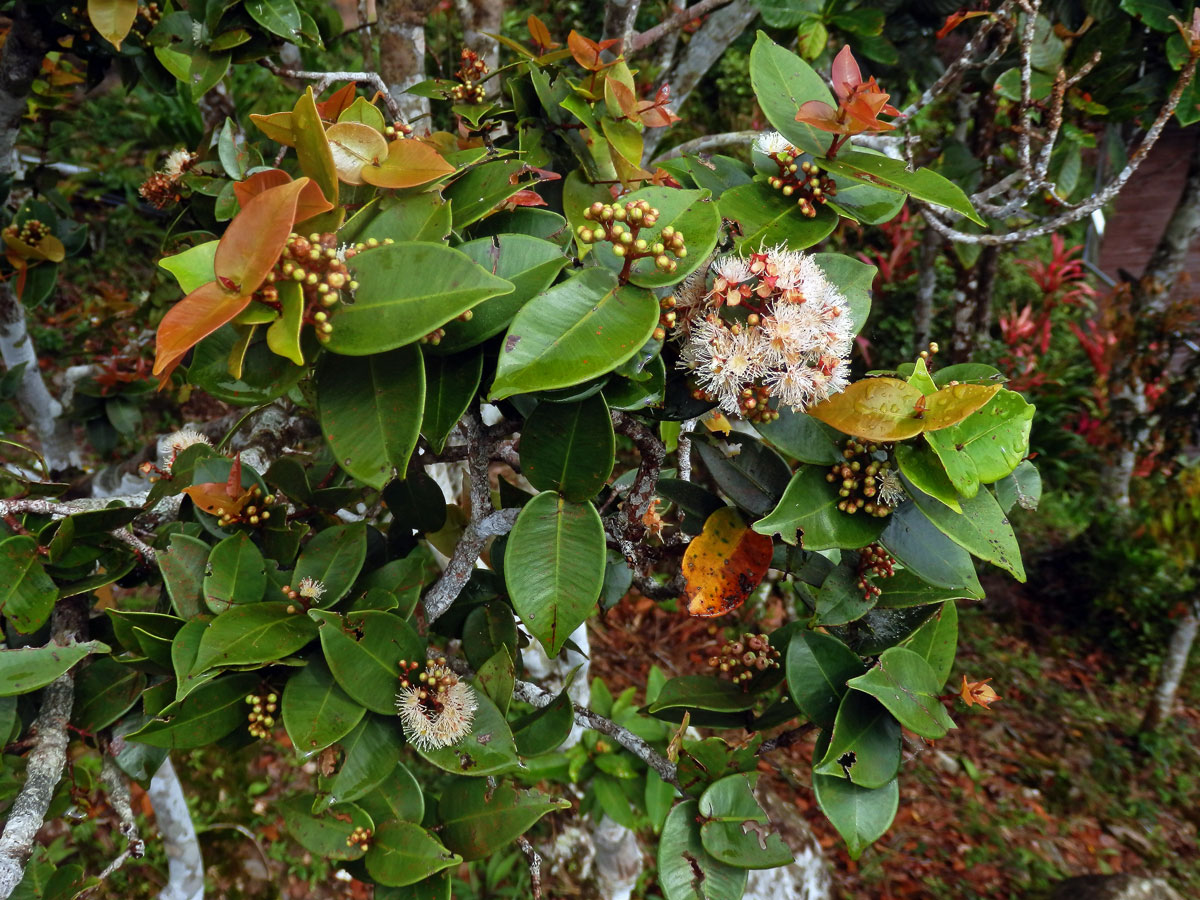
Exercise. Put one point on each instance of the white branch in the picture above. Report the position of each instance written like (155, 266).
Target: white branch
(322, 80)
(185, 866)
(62, 510)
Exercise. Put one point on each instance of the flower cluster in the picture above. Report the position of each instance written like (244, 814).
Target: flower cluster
(470, 72)
(802, 180)
(873, 561)
(622, 226)
(865, 480)
(360, 837)
(253, 512)
(771, 326)
(262, 714)
(436, 709)
(308, 593)
(173, 444)
(743, 658)
(162, 189)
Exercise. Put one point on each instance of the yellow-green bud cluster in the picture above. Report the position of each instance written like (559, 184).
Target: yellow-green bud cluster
(621, 226)
(262, 714)
(742, 659)
(255, 511)
(360, 837)
(802, 180)
(30, 232)
(856, 481)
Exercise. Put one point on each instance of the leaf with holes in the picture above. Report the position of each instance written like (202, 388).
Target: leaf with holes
(864, 745)
(736, 831)
(724, 564)
(364, 651)
(904, 683)
(686, 871)
(860, 815)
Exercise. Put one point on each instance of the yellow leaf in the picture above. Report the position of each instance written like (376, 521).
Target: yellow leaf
(409, 163)
(355, 145)
(877, 409)
(952, 404)
(724, 564)
(112, 19)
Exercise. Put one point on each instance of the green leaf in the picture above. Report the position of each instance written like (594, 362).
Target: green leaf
(334, 557)
(905, 589)
(737, 832)
(808, 512)
(104, 691)
(25, 670)
(264, 375)
(923, 468)
(316, 712)
(544, 730)
(478, 820)
(686, 871)
(987, 445)
(702, 692)
(924, 184)
(864, 744)
(904, 683)
(577, 330)
(1022, 487)
(480, 190)
(767, 217)
(554, 567)
(415, 217)
(184, 647)
(435, 887)
(364, 652)
(783, 83)
(488, 628)
(183, 566)
(237, 576)
(370, 409)
(931, 556)
(569, 447)
(840, 599)
(803, 437)
(860, 815)
(398, 796)
(818, 667)
(937, 641)
(257, 633)
(487, 750)
(372, 751)
(496, 678)
(205, 715)
(326, 835)
(451, 383)
(394, 306)
(529, 263)
(982, 529)
(752, 475)
(283, 334)
(27, 593)
(786, 13)
(279, 17)
(403, 853)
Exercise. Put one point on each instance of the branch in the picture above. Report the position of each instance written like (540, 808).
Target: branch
(118, 797)
(641, 494)
(185, 866)
(619, 19)
(673, 23)
(44, 765)
(786, 739)
(708, 142)
(535, 865)
(66, 508)
(322, 80)
(536, 696)
(485, 523)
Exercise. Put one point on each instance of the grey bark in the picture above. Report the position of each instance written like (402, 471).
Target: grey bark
(931, 245)
(401, 27)
(185, 866)
(479, 18)
(703, 50)
(619, 16)
(1174, 664)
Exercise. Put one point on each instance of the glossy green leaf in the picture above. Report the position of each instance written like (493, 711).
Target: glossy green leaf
(702, 692)
(840, 599)
(283, 334)
(554, 567)
(316, 711)
(1022, 487)
(692, 213)
(576, 330)
(924, 469)
(481, 189)
(569, 447)
(496, 678)
(237, 574)
(279, 17)
(906, 684)
(27, 593)
(478, 820)
(104, 691)
(864, 744)
(987, 445)
(931, 556)
(256, 633)
(937, 642)
(398, 796)
(982, 529)
(808, 513)
(854, 279)
(545, 729)
(783, 83)
(371, 409)
(414, 217)
(924, 184)
(451, 383)
(767, 218)
(403, 853)
(184, 647)
(802, 437)
(681, 855)
(193, 267)
(752, 475)
(326, 835)
(24, 670)
(312, 147)
(394, 306)
(737, 831)
(487, 750)
(818, 666)
(860, 815)
(905, 589)
(372, 750)
(205, 715)
(334, 558)
(364, 652)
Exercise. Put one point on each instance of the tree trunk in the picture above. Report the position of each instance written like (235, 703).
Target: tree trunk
(931, 246)
(1171, 673)
(185, 867)
(479, 18)
(401, 26)
(619, 16)
(706, 46)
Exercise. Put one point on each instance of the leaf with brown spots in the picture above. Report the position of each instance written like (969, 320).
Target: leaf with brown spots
(724, 564)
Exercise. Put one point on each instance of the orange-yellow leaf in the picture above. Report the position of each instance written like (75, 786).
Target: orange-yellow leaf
(540, 34)
(337, 103)
(191, 320)
(409, 163)
(48, 248)
(312, 149)
(587, 52)
(255, 238)
(877, 409)
(724, 564)
(952, 404)
(311, 202)
(620, 98)
(112, 19)
(276, 126)
(214, 498)
(355, 145)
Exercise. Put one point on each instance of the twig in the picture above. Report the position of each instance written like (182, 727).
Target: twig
(786, 738)
(67, 508)
(673, 23)
(708, 142)
(684, 448)
(118, 797)
(45, 763)
(1027, 35)
(641, 495)
(654, 590)
(485, 523)
(619, 19)
(323, 80)
(536, 696)
(535, 865)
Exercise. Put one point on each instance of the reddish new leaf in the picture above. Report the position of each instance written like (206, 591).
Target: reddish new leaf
(724, 564)
(587, 52)
(337, 103)
(540, 34)
(311, 202)
(191, 320)
(256, 236)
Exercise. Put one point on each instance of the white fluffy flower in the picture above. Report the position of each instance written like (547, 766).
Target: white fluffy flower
(733, 269)
(436, 710)
(310, 588)
(177, 163)
(891, 490)
(772, 142)
(173, 444)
